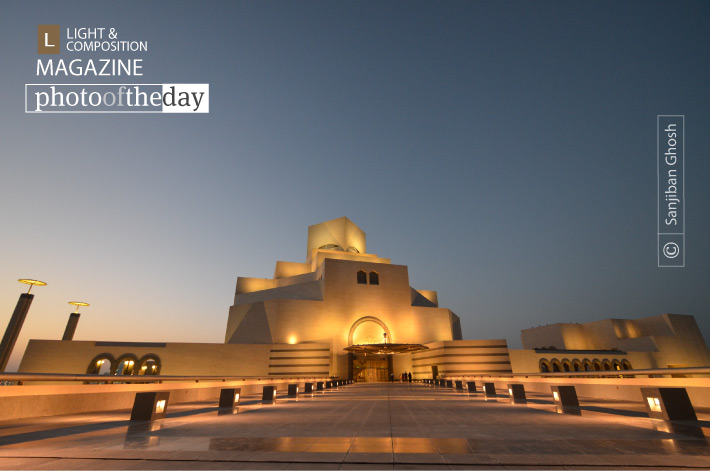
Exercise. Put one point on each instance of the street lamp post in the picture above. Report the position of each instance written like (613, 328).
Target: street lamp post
(73, 320)
(16, 321)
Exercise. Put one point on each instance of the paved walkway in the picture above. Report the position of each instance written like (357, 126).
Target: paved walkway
(362, 426)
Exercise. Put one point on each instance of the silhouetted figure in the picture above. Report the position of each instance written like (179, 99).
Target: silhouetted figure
(409, 376)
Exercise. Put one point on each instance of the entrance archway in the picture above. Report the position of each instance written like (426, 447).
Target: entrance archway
(366, 367)
(363, 320)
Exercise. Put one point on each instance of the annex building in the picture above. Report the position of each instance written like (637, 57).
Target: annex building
(348, 313)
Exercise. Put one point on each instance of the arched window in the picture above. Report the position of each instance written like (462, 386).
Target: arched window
(331, 247)
(361, 277)
(149, 366)
(587, 365)
(597, 365)
(556, 367)
(626, 365)
(100, 366)
(616, 365)
(374, 278)
(544, 366)
(126, 365)
(352, 249)
(607, 365)
(576, 365)
(566, 365)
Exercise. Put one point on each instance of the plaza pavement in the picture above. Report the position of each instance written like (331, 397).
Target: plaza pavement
(362, 426)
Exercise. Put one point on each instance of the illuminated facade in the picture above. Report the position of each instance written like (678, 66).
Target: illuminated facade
(327, 315)
(301, 321)
(665, 341)
(344, 296)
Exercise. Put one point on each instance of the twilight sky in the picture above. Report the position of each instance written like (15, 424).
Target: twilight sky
(504, 151)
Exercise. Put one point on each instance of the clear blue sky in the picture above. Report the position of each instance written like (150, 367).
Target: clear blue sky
(505, 151)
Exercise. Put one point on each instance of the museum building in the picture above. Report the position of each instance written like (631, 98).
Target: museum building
(351, 314)
(343, 312)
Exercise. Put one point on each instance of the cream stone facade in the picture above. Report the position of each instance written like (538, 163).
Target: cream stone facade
(341, 296)
(320, 317)
(300, 322)
(665, 341)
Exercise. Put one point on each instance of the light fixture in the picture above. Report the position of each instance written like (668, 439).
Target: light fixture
(654, 404)
(555, 396)
(78, 304)
(32, 283)
(12, 332)
(73, 320)
(160, 406)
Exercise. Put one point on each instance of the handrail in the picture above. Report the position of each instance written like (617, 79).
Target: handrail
(134, 378)
(562, 374)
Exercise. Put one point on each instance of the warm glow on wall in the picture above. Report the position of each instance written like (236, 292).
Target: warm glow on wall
(368, 333)
(292, 339)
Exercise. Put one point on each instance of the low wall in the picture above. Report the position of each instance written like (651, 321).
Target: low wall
(622, 389)
(30, 400)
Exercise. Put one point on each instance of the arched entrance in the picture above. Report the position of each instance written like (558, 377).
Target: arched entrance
(364, 367)
(364, 324)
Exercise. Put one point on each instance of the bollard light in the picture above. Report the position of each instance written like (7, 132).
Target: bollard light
(654, 404)
(489, 389)
(150, 406)
(565, 398)
(268, 395)
(229, 398)
(517, 393)
(668, 404)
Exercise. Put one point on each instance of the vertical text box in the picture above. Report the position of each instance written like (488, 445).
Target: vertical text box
(671, 190)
